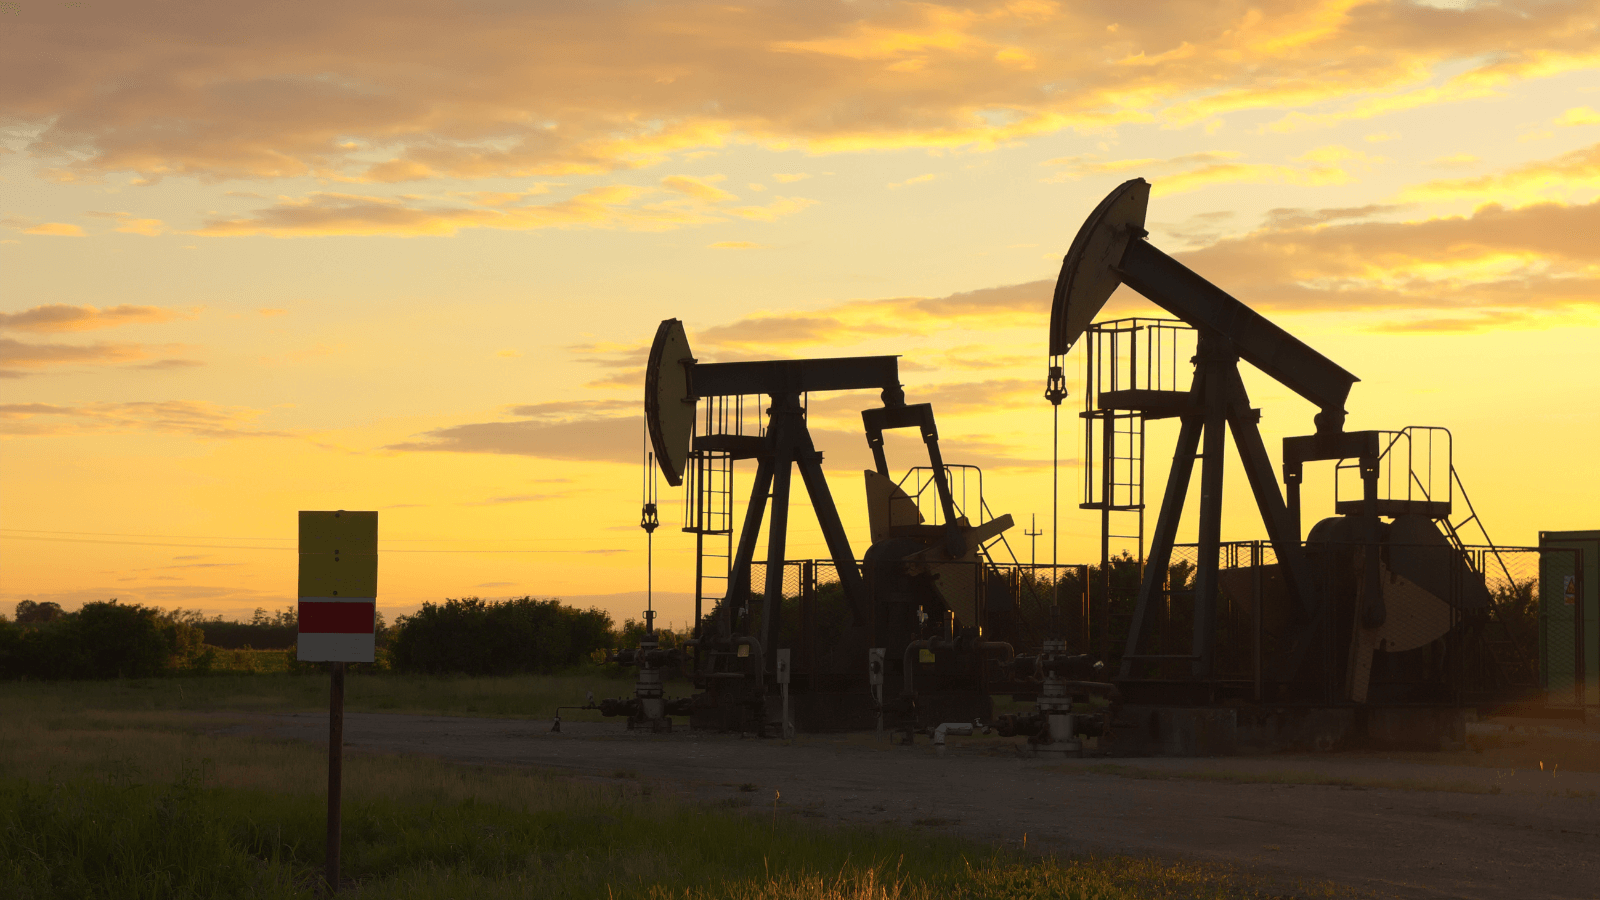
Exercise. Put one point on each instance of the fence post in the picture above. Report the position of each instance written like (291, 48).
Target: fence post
(1579, 663)
(1255, 613)
(335, 771)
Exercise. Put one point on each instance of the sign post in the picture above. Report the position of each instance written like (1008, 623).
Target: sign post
(783, 685)
(337, 617)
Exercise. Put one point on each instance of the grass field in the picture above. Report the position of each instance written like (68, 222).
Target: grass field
(515, 696)
(121, 790)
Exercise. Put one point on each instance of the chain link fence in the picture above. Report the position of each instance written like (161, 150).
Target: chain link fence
(1558, 627)
(1400, 622)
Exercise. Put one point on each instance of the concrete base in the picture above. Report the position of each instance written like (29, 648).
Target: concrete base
(1236, 730)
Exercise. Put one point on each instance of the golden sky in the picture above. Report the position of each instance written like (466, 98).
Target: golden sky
(408, 257)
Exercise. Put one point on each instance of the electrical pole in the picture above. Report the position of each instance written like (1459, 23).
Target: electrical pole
(1033, 542)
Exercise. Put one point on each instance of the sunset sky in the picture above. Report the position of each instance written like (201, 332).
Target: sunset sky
(409, 256)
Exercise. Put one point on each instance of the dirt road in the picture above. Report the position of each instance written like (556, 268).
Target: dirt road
(1538, 837)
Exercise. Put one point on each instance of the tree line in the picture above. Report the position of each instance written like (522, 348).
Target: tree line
(465, 636)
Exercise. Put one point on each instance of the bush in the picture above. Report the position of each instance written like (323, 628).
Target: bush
(101, 640)
(31, 613)
(264, 631)
(475, 637)
(632, 632)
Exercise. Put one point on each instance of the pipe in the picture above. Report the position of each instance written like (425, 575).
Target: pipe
(959, 728)
(1106, 688)
(1011, 652)
(760, 658)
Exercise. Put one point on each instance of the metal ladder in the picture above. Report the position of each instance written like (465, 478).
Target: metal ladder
(708, 502)
(709, 517)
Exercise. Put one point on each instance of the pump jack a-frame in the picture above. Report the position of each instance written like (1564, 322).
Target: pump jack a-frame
(1109, 250)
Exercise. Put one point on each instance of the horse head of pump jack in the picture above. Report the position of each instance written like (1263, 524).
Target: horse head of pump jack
(1110, 250)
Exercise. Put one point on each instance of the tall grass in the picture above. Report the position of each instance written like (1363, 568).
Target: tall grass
(516, 696)
(158, 803)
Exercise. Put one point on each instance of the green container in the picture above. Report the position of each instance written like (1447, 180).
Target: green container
(1569, 616)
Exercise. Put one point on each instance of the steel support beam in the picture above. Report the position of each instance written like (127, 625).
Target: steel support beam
(780, 376)
(844, 560)
(1281, 527)
(1210, 531)
(739, 580)
(1182, 292)
(1166, 531)
(785, 413)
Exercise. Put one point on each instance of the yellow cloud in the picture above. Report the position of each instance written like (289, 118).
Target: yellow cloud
(146, 227)
(58, 229)
(699, 188)
(1562, 176)
(780, 206)
(1016, 58)
(1079, 166)
(737, 245)
(128, 223)
(1579, 115)
(920, 179)
(1195, 170)
(1373, 107)
(925, 28)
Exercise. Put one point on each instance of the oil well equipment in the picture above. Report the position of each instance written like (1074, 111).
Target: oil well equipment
(895, 635)
(1381, 623)
(1378, 619)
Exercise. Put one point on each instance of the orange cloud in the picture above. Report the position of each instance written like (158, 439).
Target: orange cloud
(613, 206)
(55, 229)
(16, 354)
(193, 417)
(406, 90)
(1531, 258)
(604, 438)
(58, 317)
(128, 223)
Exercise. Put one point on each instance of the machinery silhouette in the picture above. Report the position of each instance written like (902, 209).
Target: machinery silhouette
(1378, 625)
(1402, 594)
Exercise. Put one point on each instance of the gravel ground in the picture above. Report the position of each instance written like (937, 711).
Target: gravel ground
(1396, 829)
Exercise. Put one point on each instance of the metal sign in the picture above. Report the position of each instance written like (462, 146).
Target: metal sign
(338, 585)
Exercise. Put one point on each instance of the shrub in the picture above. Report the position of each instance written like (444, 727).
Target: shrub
(264, 631)
(632, 632)
(31, 613)
(470, 636)
(101, 640)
